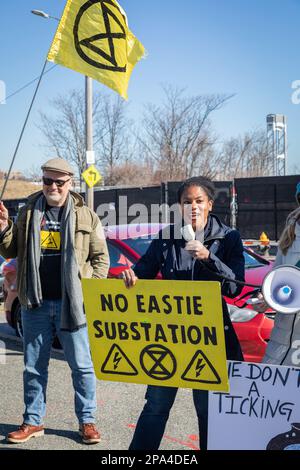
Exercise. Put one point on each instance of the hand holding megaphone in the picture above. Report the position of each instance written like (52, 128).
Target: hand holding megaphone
(281, 289)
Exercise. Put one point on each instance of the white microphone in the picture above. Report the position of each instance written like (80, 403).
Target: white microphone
(188, 233)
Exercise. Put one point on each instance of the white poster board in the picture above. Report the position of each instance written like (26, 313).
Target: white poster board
(262, 410)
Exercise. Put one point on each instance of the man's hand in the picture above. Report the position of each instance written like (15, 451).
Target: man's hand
(129, 278)
(197, 250)
(3, 217)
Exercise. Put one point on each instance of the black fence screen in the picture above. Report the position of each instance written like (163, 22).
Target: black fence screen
(124, 206)
(13, 206)
(152, 204)
(262, 204)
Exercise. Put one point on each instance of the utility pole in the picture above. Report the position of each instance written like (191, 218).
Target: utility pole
(90, 159)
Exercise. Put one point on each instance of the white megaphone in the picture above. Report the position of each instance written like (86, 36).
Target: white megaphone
(281, 289)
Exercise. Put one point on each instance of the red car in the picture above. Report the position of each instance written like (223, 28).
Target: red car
(127, 243)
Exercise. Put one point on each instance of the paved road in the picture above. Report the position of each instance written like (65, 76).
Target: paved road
(119, 405)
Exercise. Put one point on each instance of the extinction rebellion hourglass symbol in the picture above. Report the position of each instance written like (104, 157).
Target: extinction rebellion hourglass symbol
(84, 45)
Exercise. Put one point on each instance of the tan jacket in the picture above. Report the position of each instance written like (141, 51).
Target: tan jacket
(90, 244)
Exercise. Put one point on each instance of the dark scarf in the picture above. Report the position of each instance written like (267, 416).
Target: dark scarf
(72, 313)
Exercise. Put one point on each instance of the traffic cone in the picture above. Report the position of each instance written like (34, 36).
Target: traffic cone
(263, 239)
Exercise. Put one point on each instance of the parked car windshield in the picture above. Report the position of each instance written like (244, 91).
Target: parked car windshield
(252, 262)
(140, 244)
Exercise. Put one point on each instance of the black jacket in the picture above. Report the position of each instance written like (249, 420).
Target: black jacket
(167, 254)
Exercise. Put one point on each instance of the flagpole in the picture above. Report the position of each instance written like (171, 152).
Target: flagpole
(73, 42)
(22, 131)
(89, 193)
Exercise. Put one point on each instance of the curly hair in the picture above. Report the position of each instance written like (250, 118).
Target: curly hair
(201, 181)
(288, 234)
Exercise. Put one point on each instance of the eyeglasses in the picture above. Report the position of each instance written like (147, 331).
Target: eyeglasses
(50, 181)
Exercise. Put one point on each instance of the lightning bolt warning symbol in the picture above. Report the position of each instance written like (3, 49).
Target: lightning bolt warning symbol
(199, 367)
(118, 363)
(116, 360)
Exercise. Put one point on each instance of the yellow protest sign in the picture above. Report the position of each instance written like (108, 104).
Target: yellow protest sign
(91, 176)
(93, 38)
(174, 337)
(50, 240)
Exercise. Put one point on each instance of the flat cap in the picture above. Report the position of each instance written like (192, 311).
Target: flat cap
(58, 164)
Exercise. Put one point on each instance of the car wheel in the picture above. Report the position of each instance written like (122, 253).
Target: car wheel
(17, 320)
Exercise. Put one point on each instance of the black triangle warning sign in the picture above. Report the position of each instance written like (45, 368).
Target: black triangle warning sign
(200, 369)
(118, 363)
(50, 240)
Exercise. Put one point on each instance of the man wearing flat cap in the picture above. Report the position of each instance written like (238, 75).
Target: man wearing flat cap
(57, 240)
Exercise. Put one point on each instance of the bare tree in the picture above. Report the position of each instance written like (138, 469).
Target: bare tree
(245, 156)
(65, 131)
(176, 140)
(115, 138)
(34, 173)
(295, 170)
(132, 173)
(177, 135)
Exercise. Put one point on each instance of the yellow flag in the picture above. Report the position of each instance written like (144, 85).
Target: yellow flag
(93, 38)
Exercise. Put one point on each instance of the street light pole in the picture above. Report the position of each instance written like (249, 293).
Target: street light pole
(89, 193)
(44, 15)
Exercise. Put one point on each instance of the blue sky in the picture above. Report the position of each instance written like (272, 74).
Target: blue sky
(250, 48)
